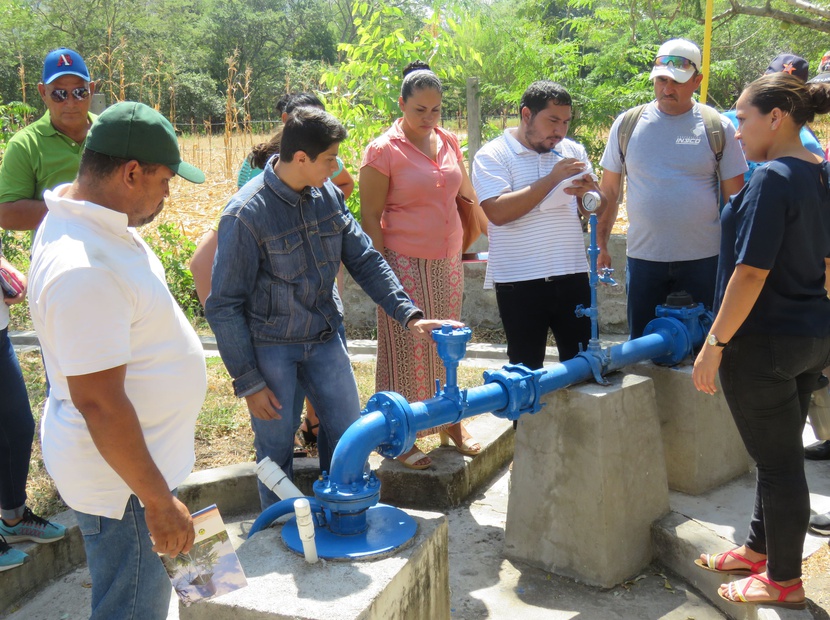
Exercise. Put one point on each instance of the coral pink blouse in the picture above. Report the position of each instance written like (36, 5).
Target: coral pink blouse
(420, 218)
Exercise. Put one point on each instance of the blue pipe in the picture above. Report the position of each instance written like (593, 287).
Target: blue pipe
(275, 511)
(389, 423)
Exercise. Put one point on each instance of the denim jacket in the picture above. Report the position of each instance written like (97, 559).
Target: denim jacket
(273, 276)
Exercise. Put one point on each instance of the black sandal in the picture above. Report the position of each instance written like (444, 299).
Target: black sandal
(309, 436)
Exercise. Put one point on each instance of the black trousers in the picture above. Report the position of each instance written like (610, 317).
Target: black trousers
(767, 380)
(529, 309)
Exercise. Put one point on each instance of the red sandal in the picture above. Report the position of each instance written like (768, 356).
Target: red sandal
(736, 595)
(715, 562)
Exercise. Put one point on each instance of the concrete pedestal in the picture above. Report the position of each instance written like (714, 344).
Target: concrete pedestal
(412, 584)
(588, 481)
(700, 440)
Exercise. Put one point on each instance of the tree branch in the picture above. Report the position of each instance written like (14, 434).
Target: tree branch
(819, 24)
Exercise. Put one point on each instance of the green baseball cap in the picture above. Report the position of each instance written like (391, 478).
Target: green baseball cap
(131, 130)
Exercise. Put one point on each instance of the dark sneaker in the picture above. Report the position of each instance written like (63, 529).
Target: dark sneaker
(34, 528)
(819, 451)
(9, 558)
(820, 524)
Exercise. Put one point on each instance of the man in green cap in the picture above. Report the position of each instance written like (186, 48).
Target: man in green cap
(127, 370)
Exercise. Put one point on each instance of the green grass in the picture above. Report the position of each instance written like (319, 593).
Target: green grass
(223, 429)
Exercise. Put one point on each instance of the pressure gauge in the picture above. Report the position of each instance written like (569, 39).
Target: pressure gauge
(591, 201)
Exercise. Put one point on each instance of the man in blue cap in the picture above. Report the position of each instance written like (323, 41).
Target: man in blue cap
(800, 68)
(40, 156)
(47, 152)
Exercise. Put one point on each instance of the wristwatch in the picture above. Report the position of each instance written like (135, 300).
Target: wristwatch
(712, 340)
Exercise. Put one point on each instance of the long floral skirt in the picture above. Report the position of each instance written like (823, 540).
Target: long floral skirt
(405, 363)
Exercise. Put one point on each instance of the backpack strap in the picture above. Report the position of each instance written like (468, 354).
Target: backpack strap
(714, 133)
(626, 128)
(711, 123)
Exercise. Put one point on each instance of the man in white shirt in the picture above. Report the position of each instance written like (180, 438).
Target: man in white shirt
(537, 260)
(126, 369)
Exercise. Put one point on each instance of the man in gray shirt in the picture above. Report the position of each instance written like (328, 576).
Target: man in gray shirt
(673, 195)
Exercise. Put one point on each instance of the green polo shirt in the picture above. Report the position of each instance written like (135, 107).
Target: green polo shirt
(37, 158)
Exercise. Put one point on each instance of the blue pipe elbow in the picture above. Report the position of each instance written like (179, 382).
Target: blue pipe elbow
(356, 444)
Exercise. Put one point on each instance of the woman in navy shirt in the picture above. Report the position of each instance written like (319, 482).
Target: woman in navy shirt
(771, 335)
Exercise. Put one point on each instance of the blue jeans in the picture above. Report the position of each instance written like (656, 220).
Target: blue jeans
(17, 430)
(324, 372)
(128, 579)
(767, 380)
(648, 283)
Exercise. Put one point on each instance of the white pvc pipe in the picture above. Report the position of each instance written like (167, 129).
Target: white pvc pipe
(276, 479)
(305, 527)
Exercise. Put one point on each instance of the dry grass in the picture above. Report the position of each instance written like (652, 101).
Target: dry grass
(194, 207)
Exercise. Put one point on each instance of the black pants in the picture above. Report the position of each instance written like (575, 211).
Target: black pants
(767, 381)
(528, 309)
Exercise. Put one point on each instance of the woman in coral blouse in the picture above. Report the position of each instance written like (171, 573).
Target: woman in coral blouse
(409, 179)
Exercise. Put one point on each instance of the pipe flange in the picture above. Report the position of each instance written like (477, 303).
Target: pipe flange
(347, 498)
(677, 332)
(522, 386)
(399, 419)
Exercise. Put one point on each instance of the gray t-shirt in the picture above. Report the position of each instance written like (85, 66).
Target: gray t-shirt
(672, 186)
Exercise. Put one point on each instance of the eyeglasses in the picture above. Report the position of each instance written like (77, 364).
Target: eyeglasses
(59, 95)
(678, 62)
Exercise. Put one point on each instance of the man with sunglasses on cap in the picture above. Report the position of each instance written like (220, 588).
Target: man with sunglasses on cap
(672, 192)
(127, 371)
(47, 152)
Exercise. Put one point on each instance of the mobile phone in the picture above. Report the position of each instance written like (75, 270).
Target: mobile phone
(10, 283)
(474, 257)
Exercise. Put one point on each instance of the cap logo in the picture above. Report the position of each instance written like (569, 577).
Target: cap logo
(65, 60)
(788, 68)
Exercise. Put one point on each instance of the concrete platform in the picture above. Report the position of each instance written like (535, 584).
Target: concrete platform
(701, 444)
(716, 521)
(589, 479)
(412, 584)
(483, 584)
(453, 477)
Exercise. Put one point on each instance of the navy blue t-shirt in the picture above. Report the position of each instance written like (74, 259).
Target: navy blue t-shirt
(780, 221)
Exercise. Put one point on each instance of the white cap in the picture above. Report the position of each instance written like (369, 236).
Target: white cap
(684, 49)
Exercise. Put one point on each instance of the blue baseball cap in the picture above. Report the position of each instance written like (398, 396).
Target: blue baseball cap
(789, 63)
(63, 61)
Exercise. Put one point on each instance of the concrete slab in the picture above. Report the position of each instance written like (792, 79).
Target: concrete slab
(412, 584)
(483, 584)
(453, 476)
(486, 585)
(589, 479)
(717, 520)
(45, 562)
(701, 444)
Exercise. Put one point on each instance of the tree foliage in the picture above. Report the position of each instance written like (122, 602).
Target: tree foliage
(363, 90)
(173, 54)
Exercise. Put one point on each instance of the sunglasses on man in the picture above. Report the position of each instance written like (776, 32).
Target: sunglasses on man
(678, 62)
(59, 95)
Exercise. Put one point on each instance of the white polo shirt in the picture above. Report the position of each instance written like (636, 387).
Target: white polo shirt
(540, 243)
(98, 299)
